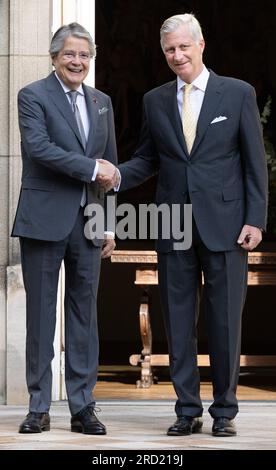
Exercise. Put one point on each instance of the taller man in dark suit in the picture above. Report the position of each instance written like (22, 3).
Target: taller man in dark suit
(64, 126)
(202, 134)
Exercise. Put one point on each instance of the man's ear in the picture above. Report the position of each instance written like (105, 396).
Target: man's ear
(202, 45)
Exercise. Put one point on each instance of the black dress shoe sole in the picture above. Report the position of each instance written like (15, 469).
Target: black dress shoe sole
(195, 429)
(224, 433)
(99, 432)
(28, 430)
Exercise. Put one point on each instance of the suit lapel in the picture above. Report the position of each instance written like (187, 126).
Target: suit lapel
(171, 107)
(212, 98)
(93, 113)
(60, 100)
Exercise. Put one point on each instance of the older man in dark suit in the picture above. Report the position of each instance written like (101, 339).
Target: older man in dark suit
(202, 134)
(64, 126)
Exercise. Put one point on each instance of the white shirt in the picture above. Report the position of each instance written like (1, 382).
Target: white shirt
(197, 92)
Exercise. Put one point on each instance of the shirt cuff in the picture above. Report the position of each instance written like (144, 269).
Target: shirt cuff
(96, 169)
(116, 188)
(109, 234)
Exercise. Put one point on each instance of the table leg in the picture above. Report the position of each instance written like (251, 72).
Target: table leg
(146, 337)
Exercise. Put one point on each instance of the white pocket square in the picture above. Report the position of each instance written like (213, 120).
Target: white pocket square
(103, 110)
(218, 119)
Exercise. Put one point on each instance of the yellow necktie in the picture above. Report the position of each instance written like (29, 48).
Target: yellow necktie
(189, 121)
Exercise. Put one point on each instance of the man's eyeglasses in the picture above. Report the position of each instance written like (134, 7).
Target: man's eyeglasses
(70, 55)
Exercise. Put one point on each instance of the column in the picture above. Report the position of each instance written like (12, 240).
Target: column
(27, 60)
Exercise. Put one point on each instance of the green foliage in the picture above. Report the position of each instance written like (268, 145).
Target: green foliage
(271, 166)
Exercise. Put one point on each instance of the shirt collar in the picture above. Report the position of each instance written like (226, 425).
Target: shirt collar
(66, 89)
(200, 82)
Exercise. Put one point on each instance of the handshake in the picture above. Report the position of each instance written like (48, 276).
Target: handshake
(108, 176)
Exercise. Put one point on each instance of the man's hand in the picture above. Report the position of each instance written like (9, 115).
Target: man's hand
(107, 175)
(108, 246)
(249, 237)
(106, 169)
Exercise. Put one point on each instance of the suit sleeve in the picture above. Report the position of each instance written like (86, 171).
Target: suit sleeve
(145, 161)
(254, 162)
(38, 145)
(110, 155)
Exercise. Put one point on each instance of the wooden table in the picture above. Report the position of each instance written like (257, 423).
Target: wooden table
(261, 271)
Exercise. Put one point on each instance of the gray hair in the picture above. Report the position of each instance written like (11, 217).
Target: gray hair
(187, 19)
(64, 32)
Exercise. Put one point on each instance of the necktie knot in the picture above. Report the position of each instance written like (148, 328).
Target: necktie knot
(187, 88)
(73, 97)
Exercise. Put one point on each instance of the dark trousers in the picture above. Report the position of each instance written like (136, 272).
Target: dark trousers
(225, 283)
(41, 261)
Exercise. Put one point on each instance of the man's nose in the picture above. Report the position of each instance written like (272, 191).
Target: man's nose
(178, 54)
(76, 59)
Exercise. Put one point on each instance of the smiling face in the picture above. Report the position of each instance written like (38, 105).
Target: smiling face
(72, 63)
(183, 53)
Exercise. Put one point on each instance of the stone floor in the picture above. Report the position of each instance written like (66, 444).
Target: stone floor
(141, 425)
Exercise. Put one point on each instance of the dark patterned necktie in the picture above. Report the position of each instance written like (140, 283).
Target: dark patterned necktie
(73, 97)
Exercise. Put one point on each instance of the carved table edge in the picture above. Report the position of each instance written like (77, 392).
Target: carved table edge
(150, 257)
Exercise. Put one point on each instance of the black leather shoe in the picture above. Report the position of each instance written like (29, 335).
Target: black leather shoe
(35, 422)
(185, 425)
(87, 422)
(223, 427)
